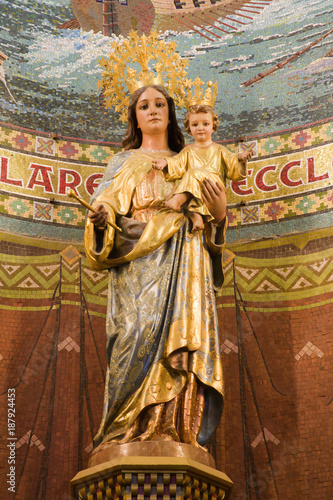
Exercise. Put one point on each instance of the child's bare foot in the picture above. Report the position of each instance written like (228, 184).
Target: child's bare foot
(173, 204)
(197, 221)
(176, 201)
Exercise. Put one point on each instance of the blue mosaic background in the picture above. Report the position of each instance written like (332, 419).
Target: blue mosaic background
(52, 72)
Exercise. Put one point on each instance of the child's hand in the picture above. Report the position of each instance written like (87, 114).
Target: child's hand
(245, 155)
(160, 164)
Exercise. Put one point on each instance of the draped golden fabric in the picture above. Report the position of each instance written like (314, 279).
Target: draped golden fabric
(162, 332)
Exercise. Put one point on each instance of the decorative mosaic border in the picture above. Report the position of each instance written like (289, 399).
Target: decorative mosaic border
(35, 277)
(46, 146)
(25, 208)
(281, 280)
(281, 209)
(295, 140)
(73, 149)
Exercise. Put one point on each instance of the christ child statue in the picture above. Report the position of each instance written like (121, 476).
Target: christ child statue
(203, 159)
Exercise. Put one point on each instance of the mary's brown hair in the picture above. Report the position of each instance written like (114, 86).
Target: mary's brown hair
(133, 136)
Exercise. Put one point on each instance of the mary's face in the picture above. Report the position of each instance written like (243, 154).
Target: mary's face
(152, 112)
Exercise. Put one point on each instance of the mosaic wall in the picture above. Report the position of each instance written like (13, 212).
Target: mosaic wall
(278, 362)
(53, 306)
(273, 63)
(48, 329)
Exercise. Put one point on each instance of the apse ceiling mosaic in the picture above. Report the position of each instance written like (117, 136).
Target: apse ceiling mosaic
(273, 61)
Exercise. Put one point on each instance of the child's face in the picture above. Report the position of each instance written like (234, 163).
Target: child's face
(201, 126)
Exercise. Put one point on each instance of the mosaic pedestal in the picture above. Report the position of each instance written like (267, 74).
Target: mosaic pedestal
(142, 471)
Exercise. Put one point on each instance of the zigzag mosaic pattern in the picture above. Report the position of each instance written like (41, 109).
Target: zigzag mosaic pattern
(37, 277)
(259, 280)
(290, 278)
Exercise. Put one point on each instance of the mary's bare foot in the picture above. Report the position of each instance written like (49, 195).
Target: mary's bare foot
(197, 221)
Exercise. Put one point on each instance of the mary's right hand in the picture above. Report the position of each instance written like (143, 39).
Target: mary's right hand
(99, 217)
(215, 199)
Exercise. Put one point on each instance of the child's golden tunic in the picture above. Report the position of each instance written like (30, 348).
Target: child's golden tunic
(194, 164)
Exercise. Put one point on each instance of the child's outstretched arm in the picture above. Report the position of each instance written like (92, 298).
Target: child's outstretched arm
(160, 164)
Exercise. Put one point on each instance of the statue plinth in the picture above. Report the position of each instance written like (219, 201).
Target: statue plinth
(151, 470)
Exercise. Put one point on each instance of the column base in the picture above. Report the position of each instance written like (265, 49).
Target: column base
(173, 476)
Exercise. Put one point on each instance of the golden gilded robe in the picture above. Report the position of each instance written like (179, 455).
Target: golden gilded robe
(161, 319)
(194, 164)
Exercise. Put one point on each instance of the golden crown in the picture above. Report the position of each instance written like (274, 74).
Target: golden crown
(128, 66)
(196, 95)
